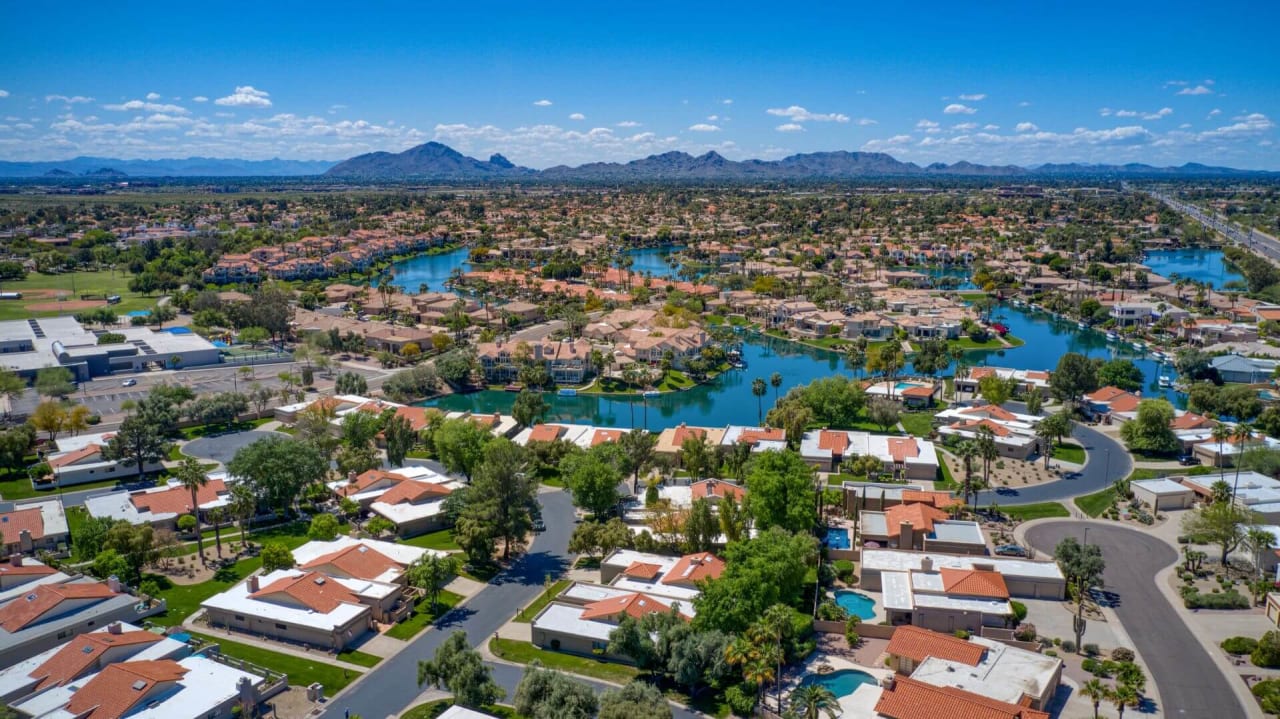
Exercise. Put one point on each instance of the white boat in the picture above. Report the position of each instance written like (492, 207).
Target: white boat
(649, 393)
(1139, 346)
(568, 392)
(1112, 337)
(1082, 325)
(1166, 381)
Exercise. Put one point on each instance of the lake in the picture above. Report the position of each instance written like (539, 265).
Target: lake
(1200, 265)
(728, 399)
(435, 270)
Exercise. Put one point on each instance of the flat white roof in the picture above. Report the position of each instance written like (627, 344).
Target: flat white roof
(906, 592)
(1005, 673)
(1161, 487)
(959, 531)
(874, 489)
(407, 511)
(567, 619)
(55, 520)
(459, 712)
(896, 560)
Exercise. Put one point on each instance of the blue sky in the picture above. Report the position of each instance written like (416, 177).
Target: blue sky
(564, 82)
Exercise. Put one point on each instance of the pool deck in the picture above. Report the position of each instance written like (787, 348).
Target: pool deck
(876, 597)
(861, 703)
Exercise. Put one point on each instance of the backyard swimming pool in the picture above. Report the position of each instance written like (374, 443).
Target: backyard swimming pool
(838, 538)
(856, 603)
(841, 683)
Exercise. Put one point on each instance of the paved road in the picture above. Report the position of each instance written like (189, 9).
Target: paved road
(1258, 241)
(1107, 461)
(1190, 684)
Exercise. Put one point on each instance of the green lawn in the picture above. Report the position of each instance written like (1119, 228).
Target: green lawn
(1073, 453)
(442, 540)
(838, 478)
(1042, 510)
(301, 671)
(674, 380)
(351, 656)
(944, 480)
(184, 599)
(521, 652)
(1096, 503)
(1144, 473)
(422, 616)
(918, 423)
(431, 710)
(528, 613)
(72, 284)
(17, 485)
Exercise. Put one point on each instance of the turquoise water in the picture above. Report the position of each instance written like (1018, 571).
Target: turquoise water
(856, 603)
(1200, 265)
(838, 538)
(183, 637)
(841, 683)
(655, 261)
(435, 270)
(903, 385)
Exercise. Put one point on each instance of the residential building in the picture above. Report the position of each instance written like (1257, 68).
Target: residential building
(79, 460)
(302, 606)
(1244, 370)
(761, 439)
(979, 665)
(1014, 434)
(46, 614)
(162, 506)
(1026, 380)
(911, 393)
(566, 362)
(879, 496)
(1163, 494)
(909, 458)
(32, 527)
(907, 698)
(582, 617)
(921, 526)
(672, 438)
(1255, 491)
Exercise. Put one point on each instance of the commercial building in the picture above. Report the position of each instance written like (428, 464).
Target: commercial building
(27, 346)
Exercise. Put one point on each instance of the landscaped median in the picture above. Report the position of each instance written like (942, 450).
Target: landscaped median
(1042, 510)
(302, 672)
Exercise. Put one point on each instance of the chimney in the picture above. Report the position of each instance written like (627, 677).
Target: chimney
(25, 542)
(16, 560)
(114, 628)
(351, 476)
(926, 564)
(906, 535)
(113, 583)
(253, 583)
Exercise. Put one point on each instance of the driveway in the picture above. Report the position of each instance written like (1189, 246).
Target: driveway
(223, 447)
(1107, 460)
(1190, 684)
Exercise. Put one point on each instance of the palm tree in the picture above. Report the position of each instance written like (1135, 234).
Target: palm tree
(1123, 696)
(967, 451)
(811, 701)
(775, 380)
(192, 477)
(1221, 433)
(759, 389)
(1095, 691)
(1044, 432)
(244, 504)
(987, 450)
(759, 672)
(1242, 435)
(216, 517)
(1258, 540)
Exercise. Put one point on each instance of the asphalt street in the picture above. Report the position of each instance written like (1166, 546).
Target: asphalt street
(1190, 684)
(1107, 461)
(223, 447)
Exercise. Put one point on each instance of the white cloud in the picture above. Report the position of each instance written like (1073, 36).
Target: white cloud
(337, 107)
(1026, 127)
(1157, 115)
(153, 96)
(956, 108)
(1024, 103)
(965, 126)
(628, 123)
(704, 127)
(199, 98)
(926, 125)
(712, 118)
(1208, 82)
(545, 145)
(4, 93)
(72, 100)
(1105, 112)
(990, 128)
(977, 97)
(790, 127)
(1197, 90)
(1245, 125)
(542, 103)
(865, 122)
(577, 116)
(1213, 113)
(245, 96)
(141, 106)
(795, 113)
(727, 101)
(1176, 83)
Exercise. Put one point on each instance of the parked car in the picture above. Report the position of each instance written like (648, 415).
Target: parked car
(539, 525)
(129, 383)
(1011, 550)
(1188, 460)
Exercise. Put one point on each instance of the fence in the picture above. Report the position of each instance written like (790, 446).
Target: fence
(867, 630)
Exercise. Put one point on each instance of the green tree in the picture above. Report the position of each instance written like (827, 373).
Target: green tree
(547, 694)
(884, 412)
(700, 527)
(323, 528)
(243, 506)
(996, 390)
(278, 469)
(502, 497)
(759, 573)
(89, 536)
(780, 492)
(460, 669)
(109, 563)
(775, 381)
(695, 455)
(759, 389)
(431, 572)
(1082, 566)
(1220, 523)
(637, 700)
(460, 445)
(812, 701)
(1074, 376)
(593, 477)
(637, 452)
(1120, 373)
(400, 438)
(191, 476)
(351, 383)
(1096, 692)
(136, 544)
(139, 441)
(1034, 401)
(55, 382)
(1150, 431)
(529, 407)
(276, 555)
(1122, 697)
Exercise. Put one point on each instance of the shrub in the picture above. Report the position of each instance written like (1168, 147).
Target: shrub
(1095, 667)
(1230, 599)
(741, 699)
(1019, 611)
(962, 634)
(187, 523)
(844, 569)
(1025, 632)
(1068, 646)
(829, 611)
(1091, 649)
(1268, 695)
(1122, 654)
(850, 630)
(1050, 653)
(1239, 645)
(1267, 653)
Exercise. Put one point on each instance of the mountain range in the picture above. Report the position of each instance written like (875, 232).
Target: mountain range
(435, 161)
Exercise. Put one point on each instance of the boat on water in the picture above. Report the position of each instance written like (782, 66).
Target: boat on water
(567, 392)
(512, 388)
(1082, 325)
(1166, 381)
(1113, 337)
(650, 393)
(1139, 346)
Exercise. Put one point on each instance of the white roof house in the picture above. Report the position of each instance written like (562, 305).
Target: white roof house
(658, 575)
(1253, 490)
(369, 559)
(909, 591)
(164, 503)
(1004, 673)
(914, 452)
(893, 560)
(325, 608)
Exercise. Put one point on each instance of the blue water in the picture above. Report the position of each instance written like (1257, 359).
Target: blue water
(841, 683)
(654, 261)
(178, 330)
(138, 313)
(220, 344)
(430, 270)
(1200, 265)
(838, 538)
(183, 637)
(903, 385)
(856, 603)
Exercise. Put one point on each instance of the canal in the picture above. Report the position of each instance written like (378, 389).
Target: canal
(432, 271)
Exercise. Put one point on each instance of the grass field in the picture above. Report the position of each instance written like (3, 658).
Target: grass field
(1096, 503)
(442, 540)
(523, 652)
(918, 423)
(301, 671)
(422, 616)
(1027, 512)
(351, 656)
(37, 288)
(528, 613)
(1073, 453)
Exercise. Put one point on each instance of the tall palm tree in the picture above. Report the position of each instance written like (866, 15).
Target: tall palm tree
(987, 450)
(1095, 691)
(192, 477)
(244, 504)
(1242, 435)
(811, 701)
(967, 451)
(759, 672)
(1122, 696)
(216, 516)
(759, 389)
(1221, 433)
(775, 380)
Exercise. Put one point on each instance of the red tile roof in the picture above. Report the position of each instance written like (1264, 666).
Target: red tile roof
(119, 687)
(903, 448)
(13, 523)
(752, 436)
(634, 605)
(717, 488)
(73, 456)
(684, 432)
(310, 589)
(411, 492)
(917, 391)
(83, 654)
(606, 435)
(26, 569)
(941, 500)
(921, 516)
(177, 500)
(23, 611)
(917, 644)
(974, 583)
(912, 699)
(995, 428)
(694, 568)
(1106, 394)
(993, 411)
(545, 432)
(370, 478)
(642, 570)
(359, 561)
(1128, 403)
(836, 442)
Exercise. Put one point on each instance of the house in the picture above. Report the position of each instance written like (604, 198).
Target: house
(672, 438)
(907, 698)
(367, 559)
(1257, 492)
(910, 393)
(1244, 370)
(1163, 494)
(303, 606)
(1014, 435)
(566, 362)
(978, 665)
(162, 506)
(761, 439)
(44, 615)
(1225, 454)
(1133, 313)
(713, 491)
(80, 459)
(921, 526)
(1025, 380)
(415, 506)
(83, 656)
(660, 575)
(33, 527)
(882, 495)
(910, 458)
(19, 575)
(582, 617)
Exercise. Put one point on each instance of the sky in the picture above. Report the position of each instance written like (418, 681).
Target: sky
(567, 82)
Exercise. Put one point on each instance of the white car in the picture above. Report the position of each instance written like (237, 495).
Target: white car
(128, 383)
